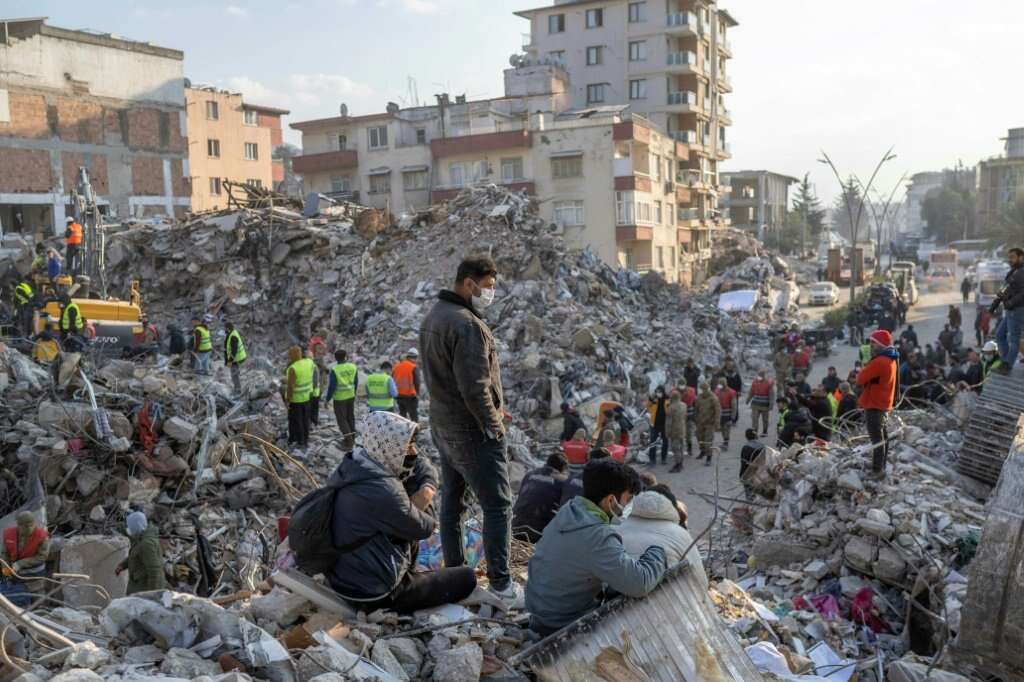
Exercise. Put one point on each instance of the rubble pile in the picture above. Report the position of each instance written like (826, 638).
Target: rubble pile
(731, 247)
(826, 554)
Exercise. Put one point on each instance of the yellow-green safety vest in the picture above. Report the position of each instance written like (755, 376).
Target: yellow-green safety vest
(303, 388)
(865, 353)
(65, 319)
(344, 381)
(240, 356)
(377, 391)
(23, 293)
(205, 343)
(994, 366)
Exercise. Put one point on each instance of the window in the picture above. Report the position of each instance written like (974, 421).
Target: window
(568, 212)
(421, 136)
(595, 18)
(252, 151)
(480, 170)
(623, 209)
(595, 93)
(378, 137)
(250, 117)
(660, 250)
(643, 213)
(557, 56)
(414, 180)
(457, 174)
(594, 55)
(254, 182)
(215, 186)
(212, 111)
(340, 184)
(637, 10)
(213, 148)
(638, 51)
(342, 142)
(638, 88)
(668, 169)
(512, 169)
(556, 23)
(657, 212)
(672, 257)
(567, 167)
(380, 184)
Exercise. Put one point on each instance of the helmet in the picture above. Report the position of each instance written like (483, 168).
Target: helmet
(413, 353)
(69, 220)
(990, 347)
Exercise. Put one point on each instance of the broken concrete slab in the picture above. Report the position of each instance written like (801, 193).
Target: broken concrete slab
(97, 556)
(280, 606)
(180, 429)
(461, 664)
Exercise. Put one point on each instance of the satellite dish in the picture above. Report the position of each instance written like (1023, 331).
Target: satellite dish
(515, 61)
(343, 110)
(392, 108)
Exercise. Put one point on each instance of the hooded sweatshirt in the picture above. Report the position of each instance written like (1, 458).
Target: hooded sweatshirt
(878, 379)
(580, 552)
(655, 521)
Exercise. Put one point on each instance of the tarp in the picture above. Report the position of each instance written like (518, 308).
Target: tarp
(743, 300)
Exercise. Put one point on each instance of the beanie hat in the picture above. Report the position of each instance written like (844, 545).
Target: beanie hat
(881, 337)
(137, 523)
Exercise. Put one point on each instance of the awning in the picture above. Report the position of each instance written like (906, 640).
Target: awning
(562, 155)
(383, 170)
(415, 169)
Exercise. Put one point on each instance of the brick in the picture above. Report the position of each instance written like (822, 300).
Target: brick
(79, 121)
(180, 186)
(155, 129)
(147, 176)
(28, 117)
(114, 126)
(97, 165)
(25, 170)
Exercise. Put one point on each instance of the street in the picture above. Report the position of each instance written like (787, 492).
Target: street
(928, 318)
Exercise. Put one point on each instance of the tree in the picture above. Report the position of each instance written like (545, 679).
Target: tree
(1010, 228)
(808, 211)
(846, 204)
(949, 210)
(787, 238)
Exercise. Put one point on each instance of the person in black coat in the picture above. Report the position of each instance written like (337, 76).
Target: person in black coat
(540, 496)
(691, 374)
(571, 422)
(797, 425)
(847, 410)
(821, 412)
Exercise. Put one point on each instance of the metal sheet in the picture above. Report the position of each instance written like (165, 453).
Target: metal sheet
(992, 426)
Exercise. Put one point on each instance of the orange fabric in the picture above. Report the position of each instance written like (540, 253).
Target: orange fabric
(75, 237)
(878, 378)
(403, 376)
(576, 451)
(32, 545)
(762, 387)
(726, 396)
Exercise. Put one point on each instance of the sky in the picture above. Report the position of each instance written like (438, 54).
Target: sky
(937, 79)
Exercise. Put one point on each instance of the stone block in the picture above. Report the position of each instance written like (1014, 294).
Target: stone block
(67, 416)
(96, 556)
(461, 664)
(778, 549)
(860, 553)
(280, 606)
(187, 664)
(889, 565)
(180, 429)
(878, 530)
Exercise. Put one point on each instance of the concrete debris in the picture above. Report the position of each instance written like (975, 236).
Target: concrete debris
(461, 664)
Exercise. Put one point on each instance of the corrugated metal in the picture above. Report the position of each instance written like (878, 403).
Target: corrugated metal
(992, 427)
(674, 635)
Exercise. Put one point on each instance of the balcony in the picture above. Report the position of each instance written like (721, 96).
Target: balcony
(724, 115)
(681, 24)
(685, 215)
(724, 82)
(682, 62)
(325, 161)
(633, 233)
(689, 177)
(484, 142)
(687, 137)
(725, 46)
(682, 102)
(622, 168)
(724, 150)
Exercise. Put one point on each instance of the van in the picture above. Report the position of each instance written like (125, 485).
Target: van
(989, 278)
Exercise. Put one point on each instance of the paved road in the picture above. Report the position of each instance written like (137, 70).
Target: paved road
(928, 318)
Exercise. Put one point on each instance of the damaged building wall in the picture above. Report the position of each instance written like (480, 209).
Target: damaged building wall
(73, 98)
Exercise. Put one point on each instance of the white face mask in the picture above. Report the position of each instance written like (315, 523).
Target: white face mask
(484, 299)
(616, 509)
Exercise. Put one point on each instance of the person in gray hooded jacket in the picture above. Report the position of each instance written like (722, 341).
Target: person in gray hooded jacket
(381, 511)
(581, 552)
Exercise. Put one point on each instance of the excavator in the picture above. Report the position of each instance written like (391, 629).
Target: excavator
(112, 324)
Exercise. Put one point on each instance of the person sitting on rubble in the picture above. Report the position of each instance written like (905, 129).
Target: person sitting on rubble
(935, 387)
(751, 450)
(655, 520)
(575, 449)
(573, 485)
(540, 496)
(975, 372)
(145, 561)
(382, 510)
(831, 381)
(610, 443)
(26, 548)
(957, 371)
(625, 425)
(581, 555)
(847, 410)
(571, 422)
(795, 424)
(818, 406)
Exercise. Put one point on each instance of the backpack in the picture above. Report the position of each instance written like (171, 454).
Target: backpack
(310, 534)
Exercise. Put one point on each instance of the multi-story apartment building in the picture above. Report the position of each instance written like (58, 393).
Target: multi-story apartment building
(917, 189)
(79, 99)
(229, 140)
(758, 200)
(1000, 181)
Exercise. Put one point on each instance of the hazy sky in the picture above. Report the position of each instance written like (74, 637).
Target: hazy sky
(937, 78)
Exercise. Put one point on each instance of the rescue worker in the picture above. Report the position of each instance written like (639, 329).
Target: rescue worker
(298, 391)
(341, 391)
(760, 400)
(24, 300)
(145, 561)
(71, 320)
(708, 418)
(878, 392)
(688, 395)
(783, 365)
(381, 390)
(46, 348)
(234, 355)
(26, 548)
(202, 346)
(73, 246)
(313, 408)
(730, 413)
(991, 361)
(407, 380)
(675, 429)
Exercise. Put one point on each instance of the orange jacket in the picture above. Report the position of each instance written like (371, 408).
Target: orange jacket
(74, 234)
(878, 379)
(404, 375)
(32, 543)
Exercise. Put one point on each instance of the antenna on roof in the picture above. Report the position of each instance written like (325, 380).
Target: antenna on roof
(343, 110)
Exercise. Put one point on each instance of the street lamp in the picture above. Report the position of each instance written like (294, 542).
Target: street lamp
(878, 224)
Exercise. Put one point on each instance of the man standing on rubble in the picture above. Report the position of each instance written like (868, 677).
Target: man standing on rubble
(657, 407)
(315, 352)
(381, 390)
(1011, 327)
(783, 364)
(878, 392)
(145, 562)
(297, 393)
(730, 412)
(24, 302)
(234, 355)
(708, 417)
(407, 379)
(463, 376)
(760, 401)
(71, 320)
(342, 384)
(73, 246)
(202, 346)
(691, 374)
(26, 548)
(675, 430)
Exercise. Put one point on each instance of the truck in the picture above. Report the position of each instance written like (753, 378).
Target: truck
(989, 277)
(946, 258)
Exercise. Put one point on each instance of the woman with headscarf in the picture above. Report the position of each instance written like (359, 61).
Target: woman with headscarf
(145, 562)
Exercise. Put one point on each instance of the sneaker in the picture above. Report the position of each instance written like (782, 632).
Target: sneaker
(512, 597)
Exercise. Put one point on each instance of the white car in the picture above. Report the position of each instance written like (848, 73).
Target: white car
(823, 293)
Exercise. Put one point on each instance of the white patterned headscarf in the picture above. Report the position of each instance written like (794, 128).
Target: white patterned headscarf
(386, 437)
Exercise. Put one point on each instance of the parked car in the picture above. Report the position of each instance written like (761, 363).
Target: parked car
(941, 279)
(822, 293)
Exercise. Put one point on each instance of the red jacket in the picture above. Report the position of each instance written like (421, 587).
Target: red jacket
(32, 543)
(878, 379)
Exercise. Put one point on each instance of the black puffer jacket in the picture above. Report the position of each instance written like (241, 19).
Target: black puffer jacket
(1013, 296)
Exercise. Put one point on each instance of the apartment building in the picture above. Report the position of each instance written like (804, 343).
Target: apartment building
(917, 189)
(229, 140)
(80, 99)
(758, 200)
(1000, 181)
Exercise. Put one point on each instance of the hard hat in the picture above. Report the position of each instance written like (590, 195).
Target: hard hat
(990, 347)
(69, 219)
(413, 353)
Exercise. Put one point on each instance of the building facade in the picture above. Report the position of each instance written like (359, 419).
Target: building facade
(1000, 181)
(758, 200)
(77, 99)
(917, 189)
(230, 140)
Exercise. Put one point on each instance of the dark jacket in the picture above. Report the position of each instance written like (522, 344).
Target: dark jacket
(798, 421)
(460, 365)
(821, 415)
(372, 507)
(975, 375)
(749, 453)
(571, 423)
(145, 563)
(692, 376)
(572, 487)
(831, 383)
(176, 341)
(1013, 293)
(733, 380)
(540, 496)
(847, 408)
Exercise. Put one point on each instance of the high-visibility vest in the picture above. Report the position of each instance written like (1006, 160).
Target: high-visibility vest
(23, 293)
(303, 388)
(782, 418)
(239, 356)
(65, 318)
(725, 399)
(761, 393)
(316, 384)
(865, 353)
(377, 391)
(404, 379)
(833, 404)
(32, 543)
(344, 381)
(205, 343)
(75, 238)
(995, 364)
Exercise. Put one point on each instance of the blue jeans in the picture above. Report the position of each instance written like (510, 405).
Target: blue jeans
(1008, 335)
(201, 364)
(470, 458)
